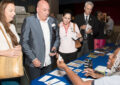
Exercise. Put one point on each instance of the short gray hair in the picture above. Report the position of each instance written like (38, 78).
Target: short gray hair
(89, 3)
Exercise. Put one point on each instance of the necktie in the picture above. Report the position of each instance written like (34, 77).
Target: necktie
(86, 19)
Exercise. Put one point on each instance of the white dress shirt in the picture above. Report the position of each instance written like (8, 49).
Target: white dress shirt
(46, 34)
(3, 42)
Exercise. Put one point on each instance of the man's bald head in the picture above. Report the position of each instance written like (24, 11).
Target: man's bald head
(42, 2)
(43, 9)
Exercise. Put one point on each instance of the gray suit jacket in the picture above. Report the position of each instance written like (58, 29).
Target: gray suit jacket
(32, 39)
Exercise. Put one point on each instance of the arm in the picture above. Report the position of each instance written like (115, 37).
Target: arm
(15, 52)
(76, 80)
(25, 33)
(57, 40)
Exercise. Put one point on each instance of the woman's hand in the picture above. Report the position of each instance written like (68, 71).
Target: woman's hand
(14, 52)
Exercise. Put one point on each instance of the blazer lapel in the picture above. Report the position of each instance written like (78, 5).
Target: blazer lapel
(50, 27)
(38, 26)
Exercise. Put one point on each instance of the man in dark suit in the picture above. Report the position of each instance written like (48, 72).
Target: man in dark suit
(39, 40)
(88, 28)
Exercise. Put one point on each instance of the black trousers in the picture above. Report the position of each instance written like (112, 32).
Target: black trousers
(37, 72)
(68, 56)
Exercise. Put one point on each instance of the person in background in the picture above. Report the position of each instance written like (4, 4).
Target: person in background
(88, 28)
(40, 40)
(67, 44)
(109, 23)
(112, 79)
(7, 13)
(99, 40)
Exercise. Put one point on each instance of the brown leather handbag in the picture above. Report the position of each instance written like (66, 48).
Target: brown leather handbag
(77, 42)
(10, 67)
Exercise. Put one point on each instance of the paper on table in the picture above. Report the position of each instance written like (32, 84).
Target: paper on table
(58, 73)
(74, 64)
(109, 54)
(71, 68)
(100, 68)
(45, 78)
(77, 70)
(59, 83)
(87, 79)
(52, 81)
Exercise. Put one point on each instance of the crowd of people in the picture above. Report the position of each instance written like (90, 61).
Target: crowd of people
(42, 37)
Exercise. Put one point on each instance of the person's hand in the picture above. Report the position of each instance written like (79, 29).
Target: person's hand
(89, 31)
(90, 72)
(83, 27)
(36, 62)
(54, 51)
(14, 52)
(61, 64)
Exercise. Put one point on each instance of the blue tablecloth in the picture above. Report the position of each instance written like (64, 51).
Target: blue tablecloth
(100, 60)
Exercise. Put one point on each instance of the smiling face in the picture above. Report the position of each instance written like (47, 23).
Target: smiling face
(9, 12)
(43, 10)
(66, 18)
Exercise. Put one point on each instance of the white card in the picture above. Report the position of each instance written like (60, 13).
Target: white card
(60, 58)
(59, 83)
(52, 81)
(58, 73)
(100, 68)
(45, 78)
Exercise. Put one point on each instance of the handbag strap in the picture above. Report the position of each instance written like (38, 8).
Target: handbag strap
(5, 37)
(73, 27)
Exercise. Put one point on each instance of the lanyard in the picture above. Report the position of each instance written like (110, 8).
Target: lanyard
(66, 28)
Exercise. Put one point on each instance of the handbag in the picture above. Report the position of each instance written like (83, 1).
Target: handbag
(10, 67)
(77, 42)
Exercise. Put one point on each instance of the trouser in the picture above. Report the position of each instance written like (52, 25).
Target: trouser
(68, 56)
(84, 49)
(37, 72)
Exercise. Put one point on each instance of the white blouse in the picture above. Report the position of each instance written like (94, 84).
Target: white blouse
(67, 44)
(3, 42)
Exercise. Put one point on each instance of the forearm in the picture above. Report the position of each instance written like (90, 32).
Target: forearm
(76, 80)
(4, 53)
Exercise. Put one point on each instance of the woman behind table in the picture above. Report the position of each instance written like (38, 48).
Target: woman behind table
(7, 13)
(67, 44)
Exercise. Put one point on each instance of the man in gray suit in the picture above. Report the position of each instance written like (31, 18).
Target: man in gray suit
(39, 40)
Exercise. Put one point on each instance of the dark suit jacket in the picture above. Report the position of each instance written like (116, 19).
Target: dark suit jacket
(32, 39)
(80, 20)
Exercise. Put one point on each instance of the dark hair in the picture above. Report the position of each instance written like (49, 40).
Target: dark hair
(3, 5)
(96, 13)
(67, 12)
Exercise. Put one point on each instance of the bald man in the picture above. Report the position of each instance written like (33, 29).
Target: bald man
(39, 40)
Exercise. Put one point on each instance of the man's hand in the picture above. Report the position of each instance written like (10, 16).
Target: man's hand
(53, 53)
(36, 62)
(89, 31)
(61, 64)
(83, 27)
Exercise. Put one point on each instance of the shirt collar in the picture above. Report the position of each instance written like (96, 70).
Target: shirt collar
(41, 20)
(86, 15)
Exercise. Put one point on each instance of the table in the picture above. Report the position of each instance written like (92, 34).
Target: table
(100, 60)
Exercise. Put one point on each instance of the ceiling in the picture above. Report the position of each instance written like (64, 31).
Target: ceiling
(63, 2)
